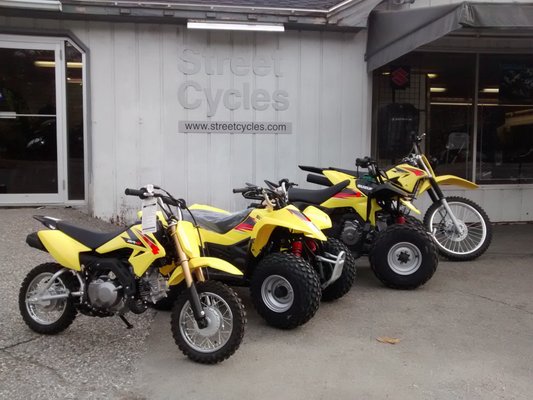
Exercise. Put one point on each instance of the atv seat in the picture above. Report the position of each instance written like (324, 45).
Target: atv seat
(89, 238)
(215, 221)
(316, 196)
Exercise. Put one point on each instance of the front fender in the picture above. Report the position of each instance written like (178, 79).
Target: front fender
(290, 218)
(199, 262)
(318, 217)
(448, 180)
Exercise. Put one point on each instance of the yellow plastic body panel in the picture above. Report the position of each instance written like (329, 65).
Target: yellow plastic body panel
(407, 176)
(318, 217)
(65, 250)
(188, 237)
(199, 262)
(146, 248)
(449, 180)
(410, 206)
(289, 217)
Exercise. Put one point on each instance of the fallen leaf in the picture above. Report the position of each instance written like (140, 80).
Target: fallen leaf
(389, 340)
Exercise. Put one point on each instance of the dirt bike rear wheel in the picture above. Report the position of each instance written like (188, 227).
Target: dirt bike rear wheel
(475, 234)
(48, 316)
(226, 322)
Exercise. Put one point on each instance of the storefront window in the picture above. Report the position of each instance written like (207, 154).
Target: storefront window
(505, 119)
(435, 93)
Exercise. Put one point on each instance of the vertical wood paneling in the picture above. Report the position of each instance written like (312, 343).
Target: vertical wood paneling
(219, 180)
(331, 90)
(266, 160)
(198, 167)
(103, 119)
(174, 145)
(149, 80)
(126, 111)
(288, 146)
(241, 157)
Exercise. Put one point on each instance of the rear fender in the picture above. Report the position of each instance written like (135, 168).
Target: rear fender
(200, 262)
(290, 218)
(448, 180)
(65, 250)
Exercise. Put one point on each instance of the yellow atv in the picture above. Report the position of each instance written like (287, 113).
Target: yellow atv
(286, 259)
(368, 216)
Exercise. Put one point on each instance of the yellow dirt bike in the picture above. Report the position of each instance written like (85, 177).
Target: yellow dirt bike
(460, 227)
(368, 217)
(104, 274)
(286, 260)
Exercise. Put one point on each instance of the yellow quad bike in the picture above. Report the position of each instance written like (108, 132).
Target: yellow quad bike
(286, 259)
(368, 217)
(460, 227)
(104, 274)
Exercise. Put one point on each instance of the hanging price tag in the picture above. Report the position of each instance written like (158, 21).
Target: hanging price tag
(149, 208)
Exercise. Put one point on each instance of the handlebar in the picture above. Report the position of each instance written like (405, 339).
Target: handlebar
(241, 190)
(142, 193)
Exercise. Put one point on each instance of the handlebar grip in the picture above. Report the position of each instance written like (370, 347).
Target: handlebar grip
(242, 190)
(134, 192)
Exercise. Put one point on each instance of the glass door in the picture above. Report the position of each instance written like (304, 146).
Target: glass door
(31, 122)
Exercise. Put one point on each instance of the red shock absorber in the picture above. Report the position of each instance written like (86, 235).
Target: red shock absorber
(400, 219)
(311, 245)
(297, 248)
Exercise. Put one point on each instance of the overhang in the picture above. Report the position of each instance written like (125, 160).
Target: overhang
(392, 34)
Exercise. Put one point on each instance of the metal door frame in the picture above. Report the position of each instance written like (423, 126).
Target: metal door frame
(56, 45)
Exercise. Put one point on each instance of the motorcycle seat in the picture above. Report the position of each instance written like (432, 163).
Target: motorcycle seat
(312, 196)
(215, 221)
(87, 237)
(351, 172)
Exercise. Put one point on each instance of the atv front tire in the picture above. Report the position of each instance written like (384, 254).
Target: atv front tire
(285, 290)
(404, 256)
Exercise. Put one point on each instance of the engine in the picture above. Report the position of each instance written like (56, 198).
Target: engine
(351, 232)
(153, 286)
(105, 293)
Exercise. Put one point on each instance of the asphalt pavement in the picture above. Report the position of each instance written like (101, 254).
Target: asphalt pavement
(466, 334)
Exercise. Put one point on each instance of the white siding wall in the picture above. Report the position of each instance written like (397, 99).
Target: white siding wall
(134, 79)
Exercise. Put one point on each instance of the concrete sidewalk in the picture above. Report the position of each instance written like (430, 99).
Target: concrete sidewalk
(467, 334)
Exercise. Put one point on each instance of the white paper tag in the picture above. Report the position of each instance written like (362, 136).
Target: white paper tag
(149, 208)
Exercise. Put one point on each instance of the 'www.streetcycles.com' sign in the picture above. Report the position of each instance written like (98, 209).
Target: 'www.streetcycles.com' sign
(234, 127)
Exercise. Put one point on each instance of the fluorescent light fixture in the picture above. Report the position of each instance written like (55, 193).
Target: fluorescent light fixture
(52, 64)
(75, 80)
(437, 89)
(491, 90)
(49, 5)
(432, 76)
(385, 73)
(235, 26)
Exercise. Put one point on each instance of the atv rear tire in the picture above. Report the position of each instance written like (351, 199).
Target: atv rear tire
(285, 290)
(342, 285)
(404, 256)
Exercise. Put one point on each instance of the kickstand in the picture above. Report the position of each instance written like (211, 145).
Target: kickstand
(123, 318)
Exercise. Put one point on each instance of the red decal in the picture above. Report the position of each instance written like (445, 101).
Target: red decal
(416, 171)
(246, 225)
(152, 245)
(346, 194)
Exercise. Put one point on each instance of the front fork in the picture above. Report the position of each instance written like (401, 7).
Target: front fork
(436, 195)
(199, 314)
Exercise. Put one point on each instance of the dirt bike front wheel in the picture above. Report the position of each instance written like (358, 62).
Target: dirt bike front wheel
(473, 236)
(226, 320)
